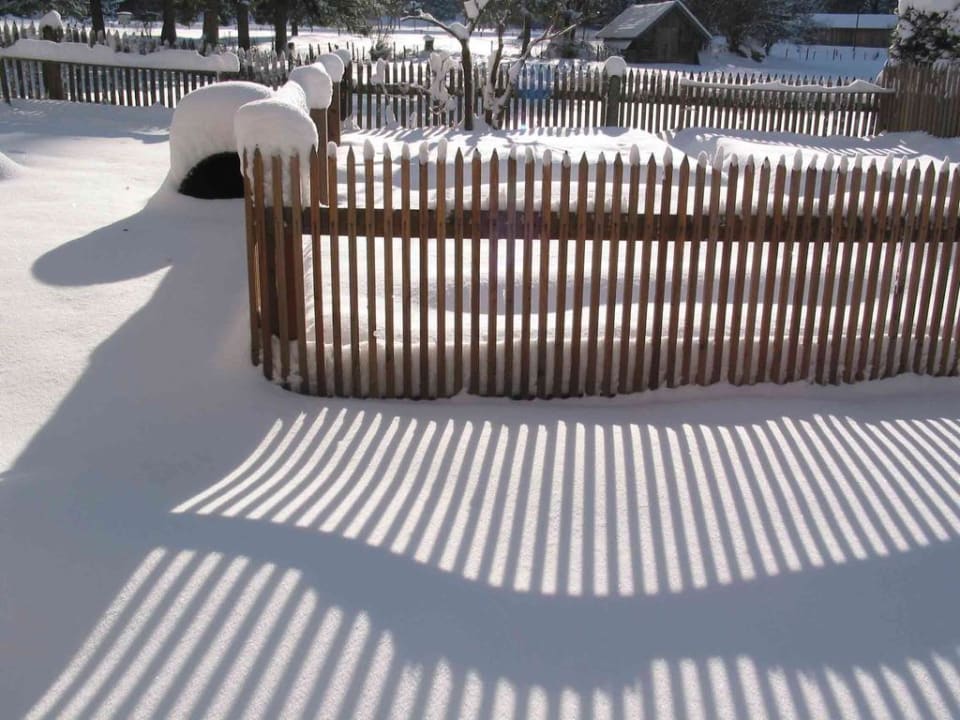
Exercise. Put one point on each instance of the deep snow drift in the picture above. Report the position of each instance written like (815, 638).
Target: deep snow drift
(178, 537)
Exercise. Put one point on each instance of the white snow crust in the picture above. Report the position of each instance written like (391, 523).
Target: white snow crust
(333, 64)
(51, 20)
(164, 59)
(203, 124)
(279, 126)
(615, 66)
(181, 538)
(316, 84)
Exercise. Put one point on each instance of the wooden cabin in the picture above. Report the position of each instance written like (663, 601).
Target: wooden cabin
(660, 32)
(848, 29)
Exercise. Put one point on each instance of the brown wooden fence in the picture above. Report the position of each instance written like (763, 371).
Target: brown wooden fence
(924, 98)
(553, 279)
(580, 96)
(114, 85)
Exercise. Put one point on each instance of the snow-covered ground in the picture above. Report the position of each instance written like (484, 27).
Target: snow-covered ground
(180, 538)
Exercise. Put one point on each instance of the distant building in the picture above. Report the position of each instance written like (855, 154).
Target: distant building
(656, 32)
(861, 30)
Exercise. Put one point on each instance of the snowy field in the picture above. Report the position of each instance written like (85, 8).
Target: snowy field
(180, 538)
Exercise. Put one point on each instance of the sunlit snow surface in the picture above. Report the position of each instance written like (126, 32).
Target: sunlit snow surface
(180, 538)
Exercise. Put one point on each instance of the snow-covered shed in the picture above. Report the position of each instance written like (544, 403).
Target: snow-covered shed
(858, 30)
(656, 32)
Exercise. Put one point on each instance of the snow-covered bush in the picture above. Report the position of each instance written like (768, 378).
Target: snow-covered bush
(926, 33)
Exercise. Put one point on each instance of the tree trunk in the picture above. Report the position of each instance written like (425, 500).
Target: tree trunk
(280, 26)
(525, 34)
(211, 23)
(294, 27)
(466, 60)
(96, 17)
(168, 33)
(243, 25)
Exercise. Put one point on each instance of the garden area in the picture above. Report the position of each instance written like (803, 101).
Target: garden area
(636, 400)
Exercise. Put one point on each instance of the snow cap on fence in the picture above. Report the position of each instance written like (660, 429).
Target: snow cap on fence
(331, 149)
(442, 150)
(828, 164)
(667, 157)
(566, 159)
(334, 65)
(70, 52)
(888, 164)
(798, 160)
(51, 20)
(424, 153)
(345, 55)
(203, 124)
(368, 151)
(316, 84)
(547, 157)
(278, 126)
(405, 151)
(703, 160)
(615, 66)
(635, 155)
(528, 156)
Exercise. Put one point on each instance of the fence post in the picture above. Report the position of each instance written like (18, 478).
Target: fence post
(615, 68)
(51, 70)
(4, 84)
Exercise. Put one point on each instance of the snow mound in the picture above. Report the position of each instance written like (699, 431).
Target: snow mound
(316, 84)
(8, 168)
(334, 65)
(203, 124)
(51, 20)
(279, 125)
(615, 66)
(345, 55)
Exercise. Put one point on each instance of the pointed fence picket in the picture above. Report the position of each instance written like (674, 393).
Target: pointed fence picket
(579, 277)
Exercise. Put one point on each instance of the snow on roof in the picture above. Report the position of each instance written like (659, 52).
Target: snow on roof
(637, 19)
(26, 49)
(849, 20)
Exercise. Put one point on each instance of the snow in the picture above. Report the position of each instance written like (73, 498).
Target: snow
(163, 59)
(316, 84)
(51, 20)
(8, 168)
(947, 6)
(180, 538)
(333, 64)
(460, 30)
(615, 66)
(279, 125)
(851, 88)
(203, 124)
(345, 56)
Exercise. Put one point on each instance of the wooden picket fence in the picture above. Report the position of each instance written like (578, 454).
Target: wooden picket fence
(552, 279)
(924, 99)
(113, 85)
(580, 96)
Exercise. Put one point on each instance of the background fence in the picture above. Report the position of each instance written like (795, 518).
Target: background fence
(546, 95)
(524, 278)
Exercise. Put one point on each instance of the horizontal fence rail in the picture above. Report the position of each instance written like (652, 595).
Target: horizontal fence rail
(668, 274)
